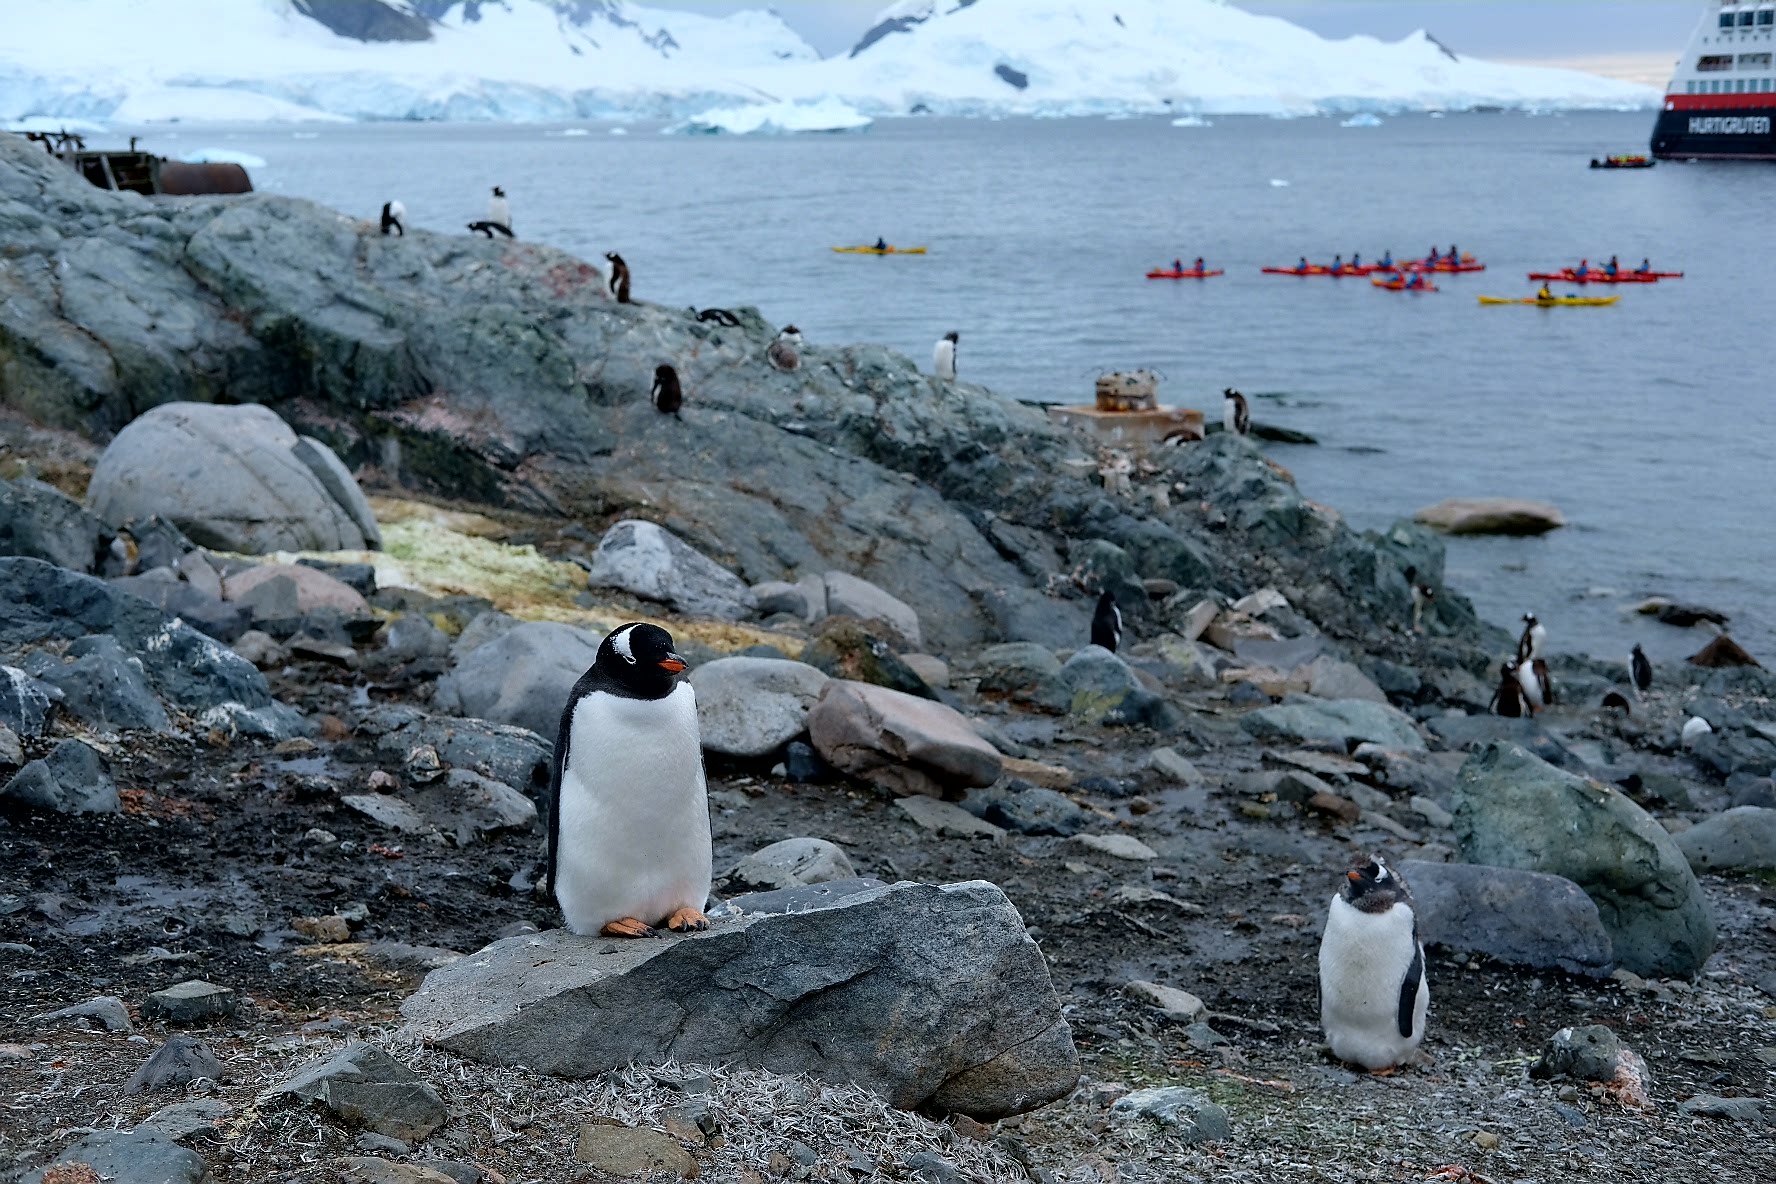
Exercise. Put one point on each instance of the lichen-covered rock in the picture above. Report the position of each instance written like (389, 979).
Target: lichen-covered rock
(651, 562)
(1334, 723)
(1103, 689)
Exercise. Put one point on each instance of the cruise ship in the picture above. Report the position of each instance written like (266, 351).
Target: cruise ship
(1722, 99)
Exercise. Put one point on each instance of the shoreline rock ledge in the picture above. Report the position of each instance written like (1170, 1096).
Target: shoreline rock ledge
(933, 997)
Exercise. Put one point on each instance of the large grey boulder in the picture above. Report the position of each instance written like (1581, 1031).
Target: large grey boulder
(1334, 723)
(1518, 917)
(1513, 809)
(931, 997)
(523, 677)
(232, 478)
(754, 706)
(792, 863)
(41, 522)
(125, 1157)
(899, 742)
(518, 757)
(102, 685)
(1024, 671)
(1103, 689)
(651, 562)
(363, 1086)
(1743, 838)
(849, 596)
(1491, 515)
(71, 780)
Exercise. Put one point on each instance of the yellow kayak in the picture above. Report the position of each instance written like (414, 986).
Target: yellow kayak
(880, 250)
(1576, 300)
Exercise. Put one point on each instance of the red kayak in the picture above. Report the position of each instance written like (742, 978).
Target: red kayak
(1318, 269)
(1164, 274)
(1594, 276)
(1398, 284)
(1445, 267)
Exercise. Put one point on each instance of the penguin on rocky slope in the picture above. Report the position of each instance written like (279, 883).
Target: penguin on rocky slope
(1373, 993)
(943, 356)
(629, 845)
(619, 281)
(394, 217)
(1236, 417)
(1107, 623)
(1640, 671)
(667, 396)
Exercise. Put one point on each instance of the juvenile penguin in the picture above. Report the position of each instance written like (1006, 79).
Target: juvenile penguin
(1107, 623)
(1535, 635)
(1617, 701)
(1373, 994)
(1507, 700)
(619, 282)
(629, 846)
(1640, 671)
(394, 217)
(785, 352)
(1236, 417)
(499, 216)
(1422, 595)
(667, 395)
(943, 357)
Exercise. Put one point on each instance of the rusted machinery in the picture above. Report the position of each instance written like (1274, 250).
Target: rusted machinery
(135, 171)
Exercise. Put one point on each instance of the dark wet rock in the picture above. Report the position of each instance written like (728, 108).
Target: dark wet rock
(1740, 839)
(862, 651)
(412, 637)
(754, 706)
(467, 806)
(363, 1086)
(191, 1002)
(39, 521)
(1340, 724)
(1513, 809)
(1685, 616)
(1518, 917)
(1037, 811)
(1473, 732)
(72, 779)
(204, 611)
(359, 577)
(1181, 1112)
(1104, 689)
(649, 561)
(928, 996)
(232, 478)
(802, 765)
(515, 756)
(521, 678)
(1744, 789)
(1746, 1110)
(104, 687)
(128, 1157)
(180, 1061)
(792, 863)
(1591, 1053)
(899, 742)
(25, 702)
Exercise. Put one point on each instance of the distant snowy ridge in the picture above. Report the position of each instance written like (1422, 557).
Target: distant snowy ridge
(552, 60)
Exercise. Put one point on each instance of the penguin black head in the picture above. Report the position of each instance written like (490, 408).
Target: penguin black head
(1618, 701)
(1228, 393)
(1510, 667)
(789, 331)
(1411, 574)
(498, 192)
(952, 336)
(1637, 650)
(1529, 618)
(1372, 886)
(638, 661)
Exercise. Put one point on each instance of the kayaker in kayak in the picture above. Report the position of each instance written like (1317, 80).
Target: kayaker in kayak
(1301, 265)
(1337, 264)
(1611, 268)
(1454, 255)
(1387, 260)
(1544, 294)
(881, 244)
(1583, 269)
(1178, 266)
(1198, 265)
(1356, 262)
(1416, 280)
(1645, 268)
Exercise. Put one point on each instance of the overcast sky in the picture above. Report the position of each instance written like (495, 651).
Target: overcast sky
(1520, 29)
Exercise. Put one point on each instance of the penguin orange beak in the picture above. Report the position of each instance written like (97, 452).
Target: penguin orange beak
(1353, 876)
(672, 664)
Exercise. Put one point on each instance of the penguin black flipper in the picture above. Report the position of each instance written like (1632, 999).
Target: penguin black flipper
(557, 765)
(1409, 985)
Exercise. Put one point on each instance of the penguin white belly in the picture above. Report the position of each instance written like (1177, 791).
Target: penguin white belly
(1532, 686)
(1364, 959)
(944, 360)
(634, 829)
(499, 212)
(1229, 417)
(397, 211)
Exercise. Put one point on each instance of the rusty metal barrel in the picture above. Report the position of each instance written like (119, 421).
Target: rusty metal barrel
(179, 178)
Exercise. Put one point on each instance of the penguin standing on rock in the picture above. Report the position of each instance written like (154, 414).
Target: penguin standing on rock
(785, 352)
(1236, 417)
(667, 396)
(619, 281)
(1107, 623)
(943, 356)
(1373, 994)
(1507, 700)
(499, 216)
(1536, 683)
(1535, 635)
(629, 845)
(394, 217)
(1422, 595)
(1640, 672)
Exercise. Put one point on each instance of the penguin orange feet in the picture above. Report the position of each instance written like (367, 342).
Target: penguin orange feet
(686, 920)
(626, 927)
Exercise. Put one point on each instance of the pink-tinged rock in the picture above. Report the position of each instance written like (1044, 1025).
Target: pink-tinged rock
(314, 588)
(902, 743)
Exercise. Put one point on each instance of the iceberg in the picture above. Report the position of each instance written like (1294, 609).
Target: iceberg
(1192, 121)
(224, 156)
(1362, 119)
(823, 115)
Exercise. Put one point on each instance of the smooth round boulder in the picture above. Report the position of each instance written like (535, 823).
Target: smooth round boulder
(753, 706)
(233, 479)
(1491, 515)
(522, 677)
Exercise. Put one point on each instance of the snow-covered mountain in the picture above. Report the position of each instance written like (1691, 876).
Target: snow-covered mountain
(526, 60)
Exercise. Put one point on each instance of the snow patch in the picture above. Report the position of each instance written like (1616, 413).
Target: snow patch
(824, 115)
(1362, 119)
(224, 156)
(1192, 121)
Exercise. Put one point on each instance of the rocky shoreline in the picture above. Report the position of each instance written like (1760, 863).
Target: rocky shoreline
(251, 756)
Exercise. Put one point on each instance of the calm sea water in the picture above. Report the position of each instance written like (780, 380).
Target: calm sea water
(1650, 424)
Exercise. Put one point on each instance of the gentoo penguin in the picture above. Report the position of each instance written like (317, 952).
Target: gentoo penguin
(785, 352)
(1373, 994)
(720, 316)
(1617, 700)
(1537, 685)
(1534, 635)
(1640, 671)
(943, 357)
(667, 395)
(1236, 417)
(394, 217)
(1107, 623)
(619, 282)
(1422, 595)
(1507, 700)
(629, 845)
(1694, 729)
(499, 216)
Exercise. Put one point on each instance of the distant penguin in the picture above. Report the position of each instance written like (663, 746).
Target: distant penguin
(499, 216)
(943, 357)
(1236, 417)
(1107, 623)
(1373, 993)
(1422, 596)
(1535, 635)
(1640, 671)
(1507, 700)
(785, 352)
(629, 846)
(667, 395)
(1694, 729)
(1617, 701)
(394, 217)
(719, 316)
(619, 281)
(1537, 686)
